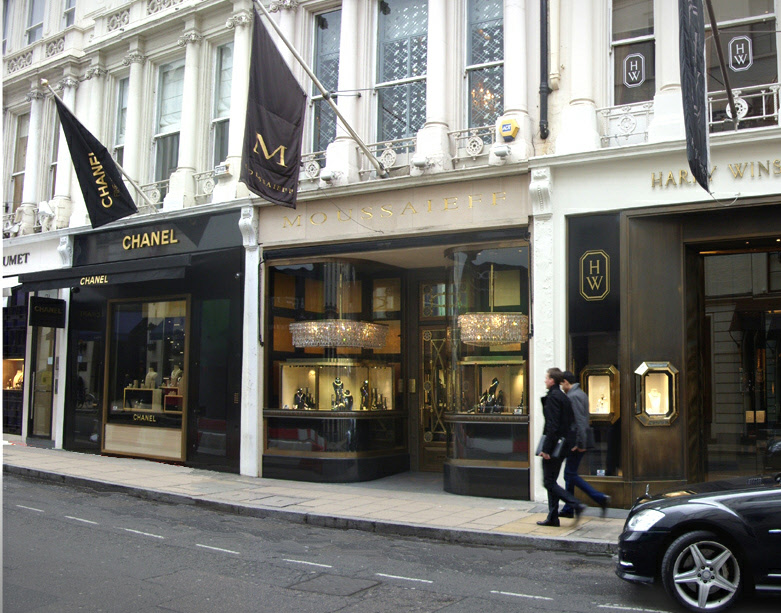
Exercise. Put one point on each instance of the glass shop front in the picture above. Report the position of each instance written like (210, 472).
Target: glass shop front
(408, 358)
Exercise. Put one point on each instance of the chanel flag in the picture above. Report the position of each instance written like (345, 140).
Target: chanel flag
(275, 122)
(695, 99)
(105, 194)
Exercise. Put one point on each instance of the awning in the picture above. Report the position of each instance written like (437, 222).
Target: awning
(114, 273)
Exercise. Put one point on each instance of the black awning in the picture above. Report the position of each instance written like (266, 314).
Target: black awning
(113, 273)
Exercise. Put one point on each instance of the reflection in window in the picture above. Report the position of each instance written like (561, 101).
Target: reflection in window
(633, 46)
(35, 20)
(485, 67)
(222, 102)
(121, 120)
(169, 114)
(401, 70)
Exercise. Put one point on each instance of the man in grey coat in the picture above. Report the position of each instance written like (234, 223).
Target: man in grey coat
(579, 401)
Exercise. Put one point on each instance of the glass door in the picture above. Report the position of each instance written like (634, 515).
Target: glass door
(42, 382)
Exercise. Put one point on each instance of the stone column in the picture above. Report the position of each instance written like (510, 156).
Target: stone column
(342, 158)
(228, 187)
(61, 204)
(137, 101)
(578, 131)
(516, 106)
(287, 23)
(181, 191)
(25, 214)
(667, 123)
(432, 149)
(250, 456)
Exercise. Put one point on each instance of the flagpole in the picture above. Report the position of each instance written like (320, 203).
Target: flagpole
(383, 173)
(722, 63)
(45, 83)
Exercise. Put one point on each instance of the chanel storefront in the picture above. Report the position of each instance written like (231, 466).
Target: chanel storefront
(155, 340)
(372, 368)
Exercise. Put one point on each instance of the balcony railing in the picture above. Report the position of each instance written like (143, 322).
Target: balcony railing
(156, 193)
(757, 107)
(394, 155)
(472, 144)
(311, 165)
(204, 186)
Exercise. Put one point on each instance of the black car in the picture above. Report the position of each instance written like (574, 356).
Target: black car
(707, 543)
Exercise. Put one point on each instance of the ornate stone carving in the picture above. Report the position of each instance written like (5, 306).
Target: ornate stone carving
(67, 82)
(248, 226)
(155, 6)
(95, 71)
(540, 192)
(242, 19)
(20, 61)
(54, 47)
(34, 94)
(65, 249)
(188, 38)
(277, 5)
(118, 20)
(134, 57)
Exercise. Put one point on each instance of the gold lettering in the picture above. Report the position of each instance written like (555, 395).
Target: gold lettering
(447, 204)
(155, 238)
(126, 243)
(777, 166)
(710, 174)
(339, 215)
(171, 237)
(366, 212)
(738, 170)
(164, 239)
(386, 209)
(497, 196)
(106, 202)
(761, 167)
(296, 222)
(654, 179)
(429, 206)
(473, 199)
(670, 177)
(268, 155)
(409, 206)
(594, 282)
(145, 240)
(682, 177)
(321, 216)
(136, 241)
(752, 170)
(593, 267)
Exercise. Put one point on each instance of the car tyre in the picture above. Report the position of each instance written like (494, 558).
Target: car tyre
(702, 572)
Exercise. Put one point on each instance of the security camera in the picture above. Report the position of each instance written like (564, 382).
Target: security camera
(327, 175)
(501, 151)
(420, 161)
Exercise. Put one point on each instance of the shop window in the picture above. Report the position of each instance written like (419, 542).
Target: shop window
(147, 384)
(121, 120)
(169, 114)
(485, 62)
(222, 102)
(328, 28)
(633, 48)
(401, 71)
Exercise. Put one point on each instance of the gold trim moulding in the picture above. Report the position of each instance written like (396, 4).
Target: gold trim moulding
(486, 463)
(486, 418)
(292, 453)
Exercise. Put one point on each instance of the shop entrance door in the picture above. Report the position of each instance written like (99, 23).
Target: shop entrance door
(42, 382)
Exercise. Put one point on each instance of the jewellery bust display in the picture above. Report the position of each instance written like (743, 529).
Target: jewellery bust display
(150, 380)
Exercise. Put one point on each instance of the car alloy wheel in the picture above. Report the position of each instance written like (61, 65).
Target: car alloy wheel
(701, 572)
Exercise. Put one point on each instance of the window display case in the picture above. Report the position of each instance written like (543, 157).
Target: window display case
(13, 382)
(336, 385)
(601, 383)
(657, 393)
(492, 384)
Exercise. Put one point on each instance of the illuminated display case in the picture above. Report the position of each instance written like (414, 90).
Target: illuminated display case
(336, 385)
(492, 384)
(601, 383)
(657, 393)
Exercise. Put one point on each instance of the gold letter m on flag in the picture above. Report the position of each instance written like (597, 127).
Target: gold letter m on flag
(268, 155)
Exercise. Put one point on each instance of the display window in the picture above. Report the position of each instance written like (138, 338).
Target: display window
(146, 382)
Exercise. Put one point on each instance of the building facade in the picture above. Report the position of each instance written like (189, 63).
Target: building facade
(538, 211)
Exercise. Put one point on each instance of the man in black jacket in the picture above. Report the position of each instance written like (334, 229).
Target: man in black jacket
(559, 423)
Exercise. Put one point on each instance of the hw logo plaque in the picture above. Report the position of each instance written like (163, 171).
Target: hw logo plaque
(594, 275)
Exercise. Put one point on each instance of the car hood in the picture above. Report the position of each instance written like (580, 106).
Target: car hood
(710, 489)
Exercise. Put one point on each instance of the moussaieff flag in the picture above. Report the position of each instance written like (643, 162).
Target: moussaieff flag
(105, 194)
(275, 123)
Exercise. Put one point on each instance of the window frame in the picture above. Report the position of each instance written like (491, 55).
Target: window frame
(18, 166)
(68, 13)
(166, 137)
(53, 156)
(317, 97)
(470, 69)
(120, 119)
(33, 32)
(627, 42)
(220, 124)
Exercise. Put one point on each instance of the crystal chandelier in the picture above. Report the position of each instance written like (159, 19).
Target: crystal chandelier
(484, 329)
(491, 328)
(338, 333)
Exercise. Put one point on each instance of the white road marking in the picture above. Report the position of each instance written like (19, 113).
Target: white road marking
(521, 595)
(217, 549)
(157, 536)
(309, 563)
(404, 578)
(86, 521)
(623, 608)
(21, 506)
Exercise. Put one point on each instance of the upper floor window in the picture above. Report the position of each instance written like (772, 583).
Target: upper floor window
(6, 17)
(222, 102)
(121, 120)
(328, 27)
(485, 61)
(747, 30)
(169, 114)
(35, 12)
(55, 147)
(633, 47)
(69, 13)
(402, 45)
(20, 155)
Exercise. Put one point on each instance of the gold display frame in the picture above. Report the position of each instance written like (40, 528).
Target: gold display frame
(588, 376)
(648, 381)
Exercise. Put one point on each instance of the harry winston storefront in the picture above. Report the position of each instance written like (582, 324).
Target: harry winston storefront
(370, 370)
(155, 340)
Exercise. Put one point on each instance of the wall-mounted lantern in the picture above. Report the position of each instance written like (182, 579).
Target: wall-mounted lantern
(601, 384)
(657, 393)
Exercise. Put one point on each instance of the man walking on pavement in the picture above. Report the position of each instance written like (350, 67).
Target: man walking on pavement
(559, 423)
(579, 401)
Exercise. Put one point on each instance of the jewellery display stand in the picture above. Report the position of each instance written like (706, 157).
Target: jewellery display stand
(492, 385)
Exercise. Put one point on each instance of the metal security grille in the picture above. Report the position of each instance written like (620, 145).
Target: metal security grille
(485, 68)
(327, 39)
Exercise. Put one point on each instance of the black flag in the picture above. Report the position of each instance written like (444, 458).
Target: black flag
(275, 124)
(695, 97)
(105, 194)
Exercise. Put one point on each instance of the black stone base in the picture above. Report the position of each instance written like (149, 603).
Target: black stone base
(337, 470)
(488, 481)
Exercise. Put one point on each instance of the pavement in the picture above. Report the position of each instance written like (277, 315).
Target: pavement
(409, 505)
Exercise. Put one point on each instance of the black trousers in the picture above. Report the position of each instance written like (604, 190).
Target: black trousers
(550, 474)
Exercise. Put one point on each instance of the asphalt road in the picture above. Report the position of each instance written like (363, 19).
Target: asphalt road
(75, 549)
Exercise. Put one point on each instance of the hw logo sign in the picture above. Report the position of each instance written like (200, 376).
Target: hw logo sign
(634, 70)
(594, 275)
(741, 56)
